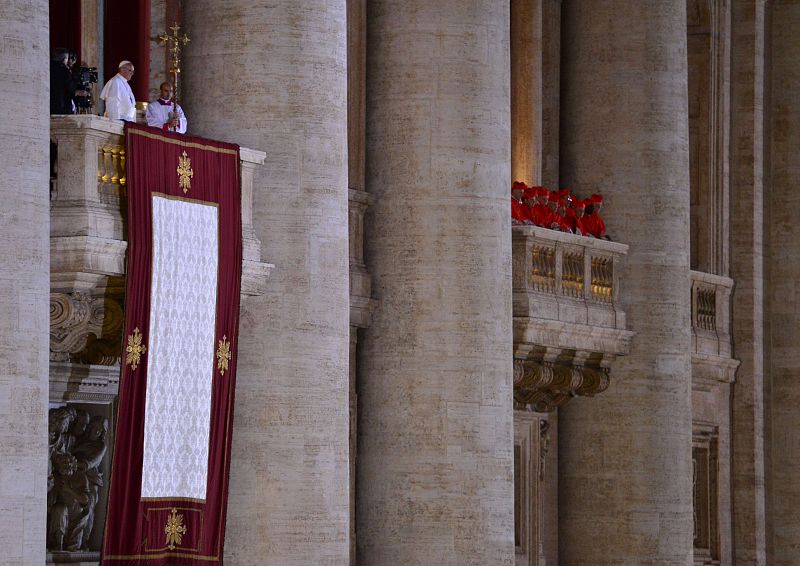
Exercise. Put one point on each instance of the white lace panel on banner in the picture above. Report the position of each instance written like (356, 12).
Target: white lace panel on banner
(183, 304)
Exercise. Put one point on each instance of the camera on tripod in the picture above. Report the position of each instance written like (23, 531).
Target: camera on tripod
(84, 78)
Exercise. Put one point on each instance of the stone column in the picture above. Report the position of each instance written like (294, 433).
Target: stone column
(435, 461)
(272, 76)
(783, 458)
(747, 270)
(24, 279)
(625, 466)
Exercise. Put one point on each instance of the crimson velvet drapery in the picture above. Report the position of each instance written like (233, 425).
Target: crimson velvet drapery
(137, 531)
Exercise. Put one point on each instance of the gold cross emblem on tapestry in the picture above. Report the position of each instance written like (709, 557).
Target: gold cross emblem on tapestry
(185, 172)
(134, 349)
(175, 529)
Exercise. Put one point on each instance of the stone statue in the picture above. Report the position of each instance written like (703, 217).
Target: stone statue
(90, 453)
(77, 449)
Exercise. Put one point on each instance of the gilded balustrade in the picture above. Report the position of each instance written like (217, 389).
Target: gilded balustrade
(110, 167)
(551, 262)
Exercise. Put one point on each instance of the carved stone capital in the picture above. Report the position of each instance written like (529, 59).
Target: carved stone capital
(85, 328)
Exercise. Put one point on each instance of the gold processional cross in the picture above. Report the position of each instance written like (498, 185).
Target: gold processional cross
(174, 42)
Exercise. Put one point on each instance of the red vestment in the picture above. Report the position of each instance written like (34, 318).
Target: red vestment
(538, 213)
(575, 223)
(520, 211)
(594, 225)
(548, 217)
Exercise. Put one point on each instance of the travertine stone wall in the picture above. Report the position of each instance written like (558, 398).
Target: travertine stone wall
(435, 460)
(784, 272)
(551, 90)
(158, 50)
(748, 35)
(24, 279)
(625, 470)
(272, 76)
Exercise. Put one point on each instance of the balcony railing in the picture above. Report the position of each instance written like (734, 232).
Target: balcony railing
(711, 306)
(87, 227)
(568, 324)
(555, 265)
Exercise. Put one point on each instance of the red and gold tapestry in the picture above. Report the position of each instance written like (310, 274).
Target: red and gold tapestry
(169, 478)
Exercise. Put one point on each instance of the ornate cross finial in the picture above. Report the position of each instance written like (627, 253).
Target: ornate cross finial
(174, 41)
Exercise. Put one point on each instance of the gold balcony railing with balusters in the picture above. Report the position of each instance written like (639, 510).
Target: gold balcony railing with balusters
(110, 167)
(564, 266)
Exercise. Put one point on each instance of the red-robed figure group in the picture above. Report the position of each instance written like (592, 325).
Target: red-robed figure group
(557, 210)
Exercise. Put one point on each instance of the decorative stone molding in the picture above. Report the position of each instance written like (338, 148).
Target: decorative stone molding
(85, 328)
(254, 271)
(361, 302)
(531, 445)
(705, 488)
(83, 383)
(568, 325)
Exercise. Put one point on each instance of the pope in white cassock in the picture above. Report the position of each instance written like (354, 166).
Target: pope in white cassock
(120, 102)
(163, 114)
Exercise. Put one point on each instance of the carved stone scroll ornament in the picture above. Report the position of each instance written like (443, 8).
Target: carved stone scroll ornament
(77, 447)
(544, 386)
(85, 329)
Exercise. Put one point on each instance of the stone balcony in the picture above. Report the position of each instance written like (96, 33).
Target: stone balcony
(87, 228)
(568, 324)
(88, 261)
(88, 245)
(711, 330)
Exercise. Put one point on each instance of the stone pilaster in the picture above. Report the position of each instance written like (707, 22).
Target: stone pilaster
(435, 461)
(783, 272)
(625, 465)
(527, 89)
(272, 76)
(747, 270)
(551, 89)
(24, 279)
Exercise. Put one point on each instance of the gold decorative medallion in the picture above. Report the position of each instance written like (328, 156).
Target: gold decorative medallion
(135, 349)
(175, 529)
(223, 355)
(185, 172)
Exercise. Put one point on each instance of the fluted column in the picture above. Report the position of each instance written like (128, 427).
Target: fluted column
(625, 466)
(272, 76)
(434, 480)
(783, 320)
(24, 279)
